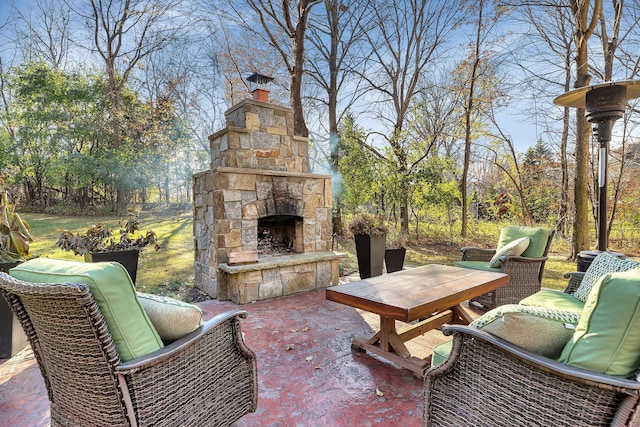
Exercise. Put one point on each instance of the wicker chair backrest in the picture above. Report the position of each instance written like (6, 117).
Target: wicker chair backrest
(74, 349)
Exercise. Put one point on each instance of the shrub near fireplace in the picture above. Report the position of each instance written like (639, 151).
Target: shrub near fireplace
(97, 244)
(369, 233)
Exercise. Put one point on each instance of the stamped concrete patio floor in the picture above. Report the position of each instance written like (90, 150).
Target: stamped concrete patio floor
(307, 373)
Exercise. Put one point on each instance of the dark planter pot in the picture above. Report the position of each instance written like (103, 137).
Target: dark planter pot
(12, 336)
(585, 258)
(370, 253)
(128, 259)
(394, 259)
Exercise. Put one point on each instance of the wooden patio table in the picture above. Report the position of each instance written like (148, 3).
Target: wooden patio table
(430, 295)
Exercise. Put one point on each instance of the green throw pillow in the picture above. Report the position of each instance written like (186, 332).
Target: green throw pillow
(540, 330)
(109, 283)
(515, 248)
(607, 338)
(539, 238)
(601, 265)
(172, 319)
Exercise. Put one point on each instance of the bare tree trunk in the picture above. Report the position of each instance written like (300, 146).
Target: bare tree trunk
(467, 121)
(584, 29)
(609, 47)
(333, 16)
(297, 47)
(275, 20)
(562, 226)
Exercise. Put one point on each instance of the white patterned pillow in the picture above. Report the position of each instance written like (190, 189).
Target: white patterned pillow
(172, 318)
(544, 331)
(601, 265)
(514, 248)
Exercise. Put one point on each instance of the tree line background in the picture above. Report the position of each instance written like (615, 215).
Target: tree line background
(418, 108)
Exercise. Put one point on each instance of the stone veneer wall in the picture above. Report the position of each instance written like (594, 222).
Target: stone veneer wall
(284, 275)
(259, 136)
(259, 169)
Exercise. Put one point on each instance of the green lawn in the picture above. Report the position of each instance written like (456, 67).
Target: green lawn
(170, 270)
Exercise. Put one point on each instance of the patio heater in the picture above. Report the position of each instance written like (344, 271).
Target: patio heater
(604, 104)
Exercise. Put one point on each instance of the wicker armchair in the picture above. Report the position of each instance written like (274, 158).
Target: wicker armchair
(525, 275)
(207, 378)
(486, 381)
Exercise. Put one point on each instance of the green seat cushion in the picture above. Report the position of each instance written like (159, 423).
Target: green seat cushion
(441, 352)
(514, 248)
(109, 283)
(555, 300)
(539, 238)
(541, 330)
(607, 338)
(171, 318)
(477, 265)
(601, 265)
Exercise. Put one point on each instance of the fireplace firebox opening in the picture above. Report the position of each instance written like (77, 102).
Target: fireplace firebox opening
(280, 234)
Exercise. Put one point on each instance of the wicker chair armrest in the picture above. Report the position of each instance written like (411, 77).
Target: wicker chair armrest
(544, 363)
(477, 254)
(208, 377)
(575, 278)
(179, 345)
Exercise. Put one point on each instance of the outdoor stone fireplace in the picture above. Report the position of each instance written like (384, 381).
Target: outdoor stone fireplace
(258, 200)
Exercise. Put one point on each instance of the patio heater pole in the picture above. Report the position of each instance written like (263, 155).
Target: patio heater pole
(604, 104)
(604, 137)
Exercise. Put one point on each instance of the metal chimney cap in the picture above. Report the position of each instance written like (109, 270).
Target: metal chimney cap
(259, 79)
(578, 97)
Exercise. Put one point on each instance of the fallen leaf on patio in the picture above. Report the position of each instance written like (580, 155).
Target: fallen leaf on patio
(379, 393)
(293, 330)
(291, 346)
(275, 332)
(309, 358)
(337, 328)
(305, 329)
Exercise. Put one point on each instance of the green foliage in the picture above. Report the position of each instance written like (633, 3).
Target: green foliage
(435, 196)
(59, 139)
(541, 183)
(358, 169)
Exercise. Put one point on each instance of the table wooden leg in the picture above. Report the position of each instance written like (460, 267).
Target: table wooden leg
(390, 345)
(387, 329)
(461, 315)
